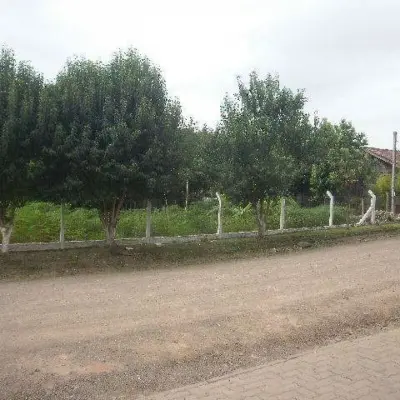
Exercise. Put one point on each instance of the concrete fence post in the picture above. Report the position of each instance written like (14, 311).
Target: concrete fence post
(282, 220)
(219, 228)
(148, 219)
(373, 205)
(331, 205)
(62, 227)
(371, 210)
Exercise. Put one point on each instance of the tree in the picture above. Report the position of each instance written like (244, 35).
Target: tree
(199, 166)
(341, 164)
(20, 87)
(383, 187)
(109, 133)
(262, 137)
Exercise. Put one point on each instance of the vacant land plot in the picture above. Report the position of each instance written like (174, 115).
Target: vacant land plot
(117, 335)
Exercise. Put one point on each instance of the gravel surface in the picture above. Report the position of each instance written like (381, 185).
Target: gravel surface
(119, 335)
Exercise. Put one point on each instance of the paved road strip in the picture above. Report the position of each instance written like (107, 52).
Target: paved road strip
(366, 368)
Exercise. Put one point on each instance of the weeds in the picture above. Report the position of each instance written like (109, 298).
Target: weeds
(39, 222)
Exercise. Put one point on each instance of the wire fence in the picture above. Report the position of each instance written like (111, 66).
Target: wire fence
(40, 222)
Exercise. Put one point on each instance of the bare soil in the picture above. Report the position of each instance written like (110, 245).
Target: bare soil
(114, 336)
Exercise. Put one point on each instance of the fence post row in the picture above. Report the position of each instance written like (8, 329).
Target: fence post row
(331, 205)
(282, 223)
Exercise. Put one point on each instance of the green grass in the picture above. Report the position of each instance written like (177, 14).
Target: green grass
(37, 264)
(39, 222)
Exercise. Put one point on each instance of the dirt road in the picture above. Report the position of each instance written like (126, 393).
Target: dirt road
(114, 336)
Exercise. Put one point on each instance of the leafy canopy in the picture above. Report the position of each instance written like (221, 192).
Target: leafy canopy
(20, 87)
(341, 164)
(263, 134)
(109, 131)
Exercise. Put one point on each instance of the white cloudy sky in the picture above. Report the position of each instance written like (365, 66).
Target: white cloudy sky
(345, 53)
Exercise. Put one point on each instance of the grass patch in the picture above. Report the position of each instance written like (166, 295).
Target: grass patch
(39, 222)
(77, 261)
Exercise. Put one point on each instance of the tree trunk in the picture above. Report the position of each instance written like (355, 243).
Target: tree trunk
(110, 231)
(109, 215)
(260, 213)
(7, 214)
(5, 237)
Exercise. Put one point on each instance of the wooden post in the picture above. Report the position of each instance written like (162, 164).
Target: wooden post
(62, 227)
(148, 220)
(283, 214)
(219, 228)
(331, 205)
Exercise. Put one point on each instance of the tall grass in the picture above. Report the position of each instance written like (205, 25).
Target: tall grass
(39, 222)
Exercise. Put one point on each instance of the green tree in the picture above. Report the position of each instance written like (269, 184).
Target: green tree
(341, 164)
(262, 138)
(383, 184)
(109, 133)
(20, 87)
(200, 155)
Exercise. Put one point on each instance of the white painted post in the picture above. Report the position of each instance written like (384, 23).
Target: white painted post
(62, 227)
(331, 204)
(283, 214)
(371, 210)
(187, 195)
(373, 204)
(387, 201)
(148, 220)
(219, 229)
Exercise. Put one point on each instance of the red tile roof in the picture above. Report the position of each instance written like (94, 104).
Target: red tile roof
(384, 155)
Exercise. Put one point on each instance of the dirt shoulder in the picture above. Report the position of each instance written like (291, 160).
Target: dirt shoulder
(119, 335)
(84, 261)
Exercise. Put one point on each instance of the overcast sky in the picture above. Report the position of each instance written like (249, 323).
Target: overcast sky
(345, 53)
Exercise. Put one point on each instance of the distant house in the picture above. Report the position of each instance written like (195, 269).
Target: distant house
(384, 159)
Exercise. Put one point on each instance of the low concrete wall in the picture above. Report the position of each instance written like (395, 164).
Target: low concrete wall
(126, 242)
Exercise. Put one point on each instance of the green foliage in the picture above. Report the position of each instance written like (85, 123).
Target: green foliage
(20, 87)
(383, 185)
(263, 136)
(108, 132)
(40, 222)
(200, 153)
(341, 164)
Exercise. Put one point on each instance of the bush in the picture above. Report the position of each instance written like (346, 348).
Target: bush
(301, 217)
(40, 222)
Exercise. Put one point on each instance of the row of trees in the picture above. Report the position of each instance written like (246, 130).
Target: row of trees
(102, 134)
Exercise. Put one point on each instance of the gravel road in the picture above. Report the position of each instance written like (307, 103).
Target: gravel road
(114, 336)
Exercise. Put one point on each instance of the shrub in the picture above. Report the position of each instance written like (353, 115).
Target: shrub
(40, 222)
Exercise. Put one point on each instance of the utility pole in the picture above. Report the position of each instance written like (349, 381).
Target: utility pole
(394, 173)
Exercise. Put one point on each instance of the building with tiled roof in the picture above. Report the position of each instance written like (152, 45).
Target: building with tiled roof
(384, 158)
